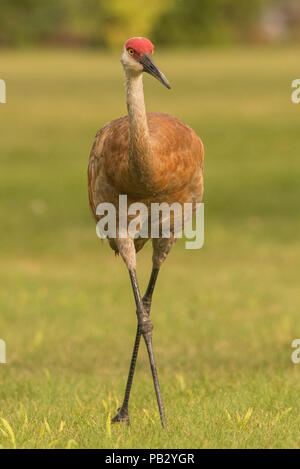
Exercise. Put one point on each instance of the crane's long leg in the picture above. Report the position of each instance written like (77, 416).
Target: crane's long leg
(122, 414)
(146, 328)
(161, 248)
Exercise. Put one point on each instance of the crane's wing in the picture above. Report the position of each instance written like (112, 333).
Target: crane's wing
(96, 168)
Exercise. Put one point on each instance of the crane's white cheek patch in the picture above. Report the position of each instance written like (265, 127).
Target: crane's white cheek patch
(130, 63)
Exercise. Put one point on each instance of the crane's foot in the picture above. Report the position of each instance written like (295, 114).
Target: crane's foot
(121, 417)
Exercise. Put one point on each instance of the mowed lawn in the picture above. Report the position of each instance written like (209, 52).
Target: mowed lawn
(224, 316)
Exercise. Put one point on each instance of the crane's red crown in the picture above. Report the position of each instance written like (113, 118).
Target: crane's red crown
(141, 45)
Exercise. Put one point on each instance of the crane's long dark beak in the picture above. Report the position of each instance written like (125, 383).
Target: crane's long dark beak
(150, 67)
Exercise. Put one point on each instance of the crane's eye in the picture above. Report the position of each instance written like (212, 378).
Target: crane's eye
(130, 51)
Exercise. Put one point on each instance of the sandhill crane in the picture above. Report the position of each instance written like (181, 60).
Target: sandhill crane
(152, 158)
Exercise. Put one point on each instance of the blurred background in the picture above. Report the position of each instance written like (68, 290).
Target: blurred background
(105, 23)
(66, 309)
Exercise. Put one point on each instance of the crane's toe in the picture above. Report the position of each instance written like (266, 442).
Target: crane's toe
(121, 416)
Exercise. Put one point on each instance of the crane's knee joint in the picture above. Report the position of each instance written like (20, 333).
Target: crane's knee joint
(145, 325)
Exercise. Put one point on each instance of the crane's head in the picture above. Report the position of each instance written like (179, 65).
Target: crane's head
(137, 58)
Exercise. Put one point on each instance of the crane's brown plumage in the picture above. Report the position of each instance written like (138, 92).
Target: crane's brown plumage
(178, 161)
(152, 158)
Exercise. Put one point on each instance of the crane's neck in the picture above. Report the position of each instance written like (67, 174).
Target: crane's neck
(140, 152)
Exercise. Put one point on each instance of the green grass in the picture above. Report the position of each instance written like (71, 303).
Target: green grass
(224, 316)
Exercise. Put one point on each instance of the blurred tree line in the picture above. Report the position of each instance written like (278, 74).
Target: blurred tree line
(107, 23)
